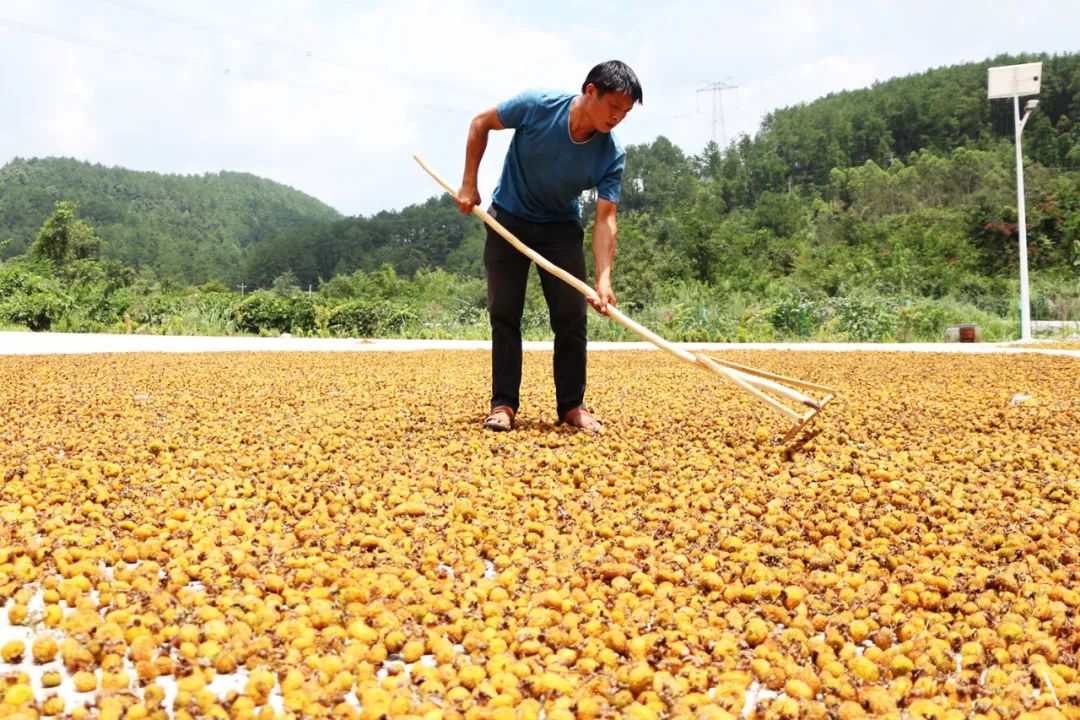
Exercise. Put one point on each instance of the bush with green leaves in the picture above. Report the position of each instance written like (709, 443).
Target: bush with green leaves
(152, 310)
(924, 320)
(266, 311)
(64, 237)
(864, 318)
(795, 314)
(99, 293)
(30, 296)
(39, 309)
(1061, 295)
(366, 318)
(202, 312)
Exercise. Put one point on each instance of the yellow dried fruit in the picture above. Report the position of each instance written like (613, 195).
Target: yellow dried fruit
(793, 596)
(858, 630)
(798, 689)
(84, 681)
(12, 651)
(901, 665)
(44, 649)
(288, 517)
(640, 678)
(19, 694)
(864, 669)
(1011, 632)
(17, 613)
(756, 631)
(412, 651)
(53, 705)
(115, 680)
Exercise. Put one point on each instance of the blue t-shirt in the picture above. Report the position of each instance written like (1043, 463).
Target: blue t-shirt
(545, 170)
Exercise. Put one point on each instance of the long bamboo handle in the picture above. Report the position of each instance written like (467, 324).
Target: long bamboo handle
(773, 376)
(540, 260)
(748, 382)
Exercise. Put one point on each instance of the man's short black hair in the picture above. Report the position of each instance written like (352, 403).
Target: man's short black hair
(614, 76)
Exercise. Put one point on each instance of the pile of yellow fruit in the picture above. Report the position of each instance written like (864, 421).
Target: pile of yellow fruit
(338, 531)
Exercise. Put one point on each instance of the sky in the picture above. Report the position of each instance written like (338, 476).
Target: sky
(334, 97)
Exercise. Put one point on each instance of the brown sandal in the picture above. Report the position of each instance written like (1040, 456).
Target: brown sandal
(500, 419)
(580, 418)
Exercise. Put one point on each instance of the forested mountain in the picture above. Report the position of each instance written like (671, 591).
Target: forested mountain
(186, 228)
(880, 213)
(936, 111)
(847, 176)
(432, 234)
(238, 228)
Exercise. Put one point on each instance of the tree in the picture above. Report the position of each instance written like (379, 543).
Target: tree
(64, 237)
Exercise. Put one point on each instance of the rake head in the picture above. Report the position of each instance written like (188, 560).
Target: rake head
(768, 387)
(801, 423)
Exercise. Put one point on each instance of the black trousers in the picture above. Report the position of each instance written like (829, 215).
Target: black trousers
(507, 275)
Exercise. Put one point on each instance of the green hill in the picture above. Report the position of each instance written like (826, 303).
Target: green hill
(937, 111)
(190, 229)
(432, 234)
(917, 171)
(882, 213)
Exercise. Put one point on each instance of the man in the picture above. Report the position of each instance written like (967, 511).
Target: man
(562, 146)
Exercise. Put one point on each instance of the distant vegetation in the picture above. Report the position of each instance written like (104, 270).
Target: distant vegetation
(187, 229)
(884, 213)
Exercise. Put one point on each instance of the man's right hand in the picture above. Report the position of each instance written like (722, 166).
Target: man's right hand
(467, 198)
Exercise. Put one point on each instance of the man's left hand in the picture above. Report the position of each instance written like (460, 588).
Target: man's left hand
(607, 297)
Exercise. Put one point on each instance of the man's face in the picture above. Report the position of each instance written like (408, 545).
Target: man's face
(607, 110)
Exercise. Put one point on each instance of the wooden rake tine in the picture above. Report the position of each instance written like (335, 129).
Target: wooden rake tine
(754, 381)
(815, 406)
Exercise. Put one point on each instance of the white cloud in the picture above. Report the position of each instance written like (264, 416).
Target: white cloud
(72, 132)
(798, 17)
(833, 74)
(416, 71)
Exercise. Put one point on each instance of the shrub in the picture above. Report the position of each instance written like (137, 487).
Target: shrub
(30, 297)
(365, 318)
(37, 311)
(795, 315)
(921, 320)
(864, 318)
(263, 311)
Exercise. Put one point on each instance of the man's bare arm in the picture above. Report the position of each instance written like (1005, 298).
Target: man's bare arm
(605, 232)
(469, 195)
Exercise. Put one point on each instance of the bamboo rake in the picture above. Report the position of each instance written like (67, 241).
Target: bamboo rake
(754, 381)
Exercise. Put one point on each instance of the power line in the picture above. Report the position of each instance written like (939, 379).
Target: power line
(183, 62)
(292, 50)
(159, 57)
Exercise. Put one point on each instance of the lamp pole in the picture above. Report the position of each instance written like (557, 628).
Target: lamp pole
(1021, 216)
(1014, 81)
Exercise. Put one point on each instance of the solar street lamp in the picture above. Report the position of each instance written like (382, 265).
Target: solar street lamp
(1013, 81)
